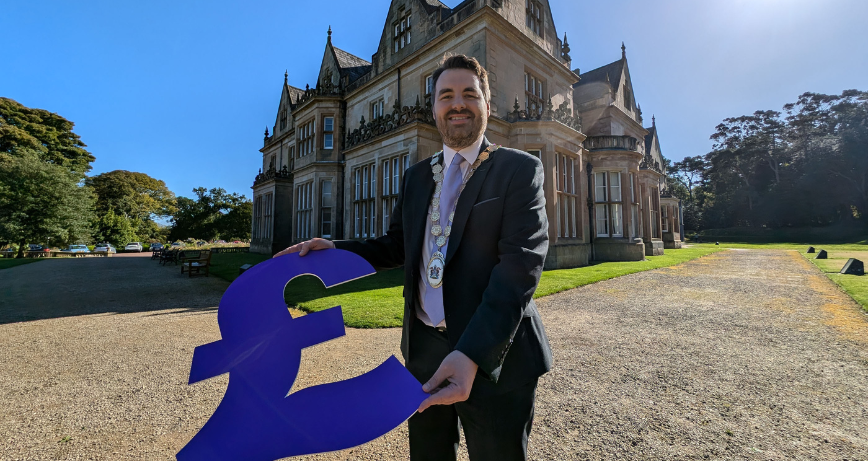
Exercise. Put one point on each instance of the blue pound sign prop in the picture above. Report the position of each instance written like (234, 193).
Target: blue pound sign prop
(261, 351)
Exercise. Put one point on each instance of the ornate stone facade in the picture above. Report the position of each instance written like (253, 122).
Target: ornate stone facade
(335, 156)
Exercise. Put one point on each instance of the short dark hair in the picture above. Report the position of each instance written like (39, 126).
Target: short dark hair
(460, 61)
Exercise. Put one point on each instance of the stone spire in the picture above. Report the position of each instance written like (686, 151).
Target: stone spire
(330, 34)
(565, 49)
(286, 77)
(653, 121)
(623, 51)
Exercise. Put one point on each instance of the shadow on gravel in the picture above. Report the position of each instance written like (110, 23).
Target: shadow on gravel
(191, 310)
(86, 286)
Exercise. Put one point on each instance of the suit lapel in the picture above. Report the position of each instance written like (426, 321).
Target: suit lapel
(419, 219)
(466, 201)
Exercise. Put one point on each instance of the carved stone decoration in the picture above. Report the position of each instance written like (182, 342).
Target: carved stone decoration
(399, 116)
(272, 173)
(648, 163)
(562, 114)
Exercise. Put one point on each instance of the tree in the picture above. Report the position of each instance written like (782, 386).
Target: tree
(213, 214)
(41, 202)
(44, 132)
(114, 229)
(136, 197)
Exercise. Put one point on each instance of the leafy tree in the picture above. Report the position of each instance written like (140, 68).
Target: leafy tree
(41, 202)
(47, 133)
(114, 229)
(136, 197)
(212, 214)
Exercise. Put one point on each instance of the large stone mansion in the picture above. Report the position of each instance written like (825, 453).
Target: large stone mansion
(333, 162)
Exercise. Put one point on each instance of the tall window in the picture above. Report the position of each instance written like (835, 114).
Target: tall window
(655, 212)
(634, 206)
(328, 128)
(364, 201)
(567, 196)
(664, 215)
(533, 16)
(304, 206)
(257, 217)
(429, 89)
(377, 109)
(272, 161)
(306, 136)
(269, 204)
(533, 94)
(393, 173)
(326, 207)
(283, 119)
(402, 31)
(608, 206)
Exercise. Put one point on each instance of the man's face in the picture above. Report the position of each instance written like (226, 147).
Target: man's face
(460, 109)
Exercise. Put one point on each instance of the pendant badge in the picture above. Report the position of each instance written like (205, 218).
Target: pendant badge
(436, 267)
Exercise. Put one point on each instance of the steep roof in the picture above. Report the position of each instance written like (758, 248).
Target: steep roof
(613, 71)
(294, 93)
(649, 139)
(351, 65)
(431, 5)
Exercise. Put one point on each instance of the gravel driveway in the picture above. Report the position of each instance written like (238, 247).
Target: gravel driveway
(738, 355)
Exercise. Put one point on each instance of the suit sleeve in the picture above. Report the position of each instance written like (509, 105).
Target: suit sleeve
(521, 250)
(387, 251)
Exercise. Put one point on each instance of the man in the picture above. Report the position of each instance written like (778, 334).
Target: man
(470, 230)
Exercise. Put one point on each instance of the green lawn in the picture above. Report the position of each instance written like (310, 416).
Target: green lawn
(377, 301)
(854, 285)
(6, 263)
(563, 279)
(226, 265)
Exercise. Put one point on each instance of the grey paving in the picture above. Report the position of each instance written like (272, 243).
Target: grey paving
(739, 355)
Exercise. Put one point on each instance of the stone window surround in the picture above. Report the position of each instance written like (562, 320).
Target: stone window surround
(608, 209)
(328, 136)
(393, 169)
(327, 204)
(401, 36)
(306, 136)
(303, 210)
(364, 219)
(534, 89)
(533, 17)
(567, 214)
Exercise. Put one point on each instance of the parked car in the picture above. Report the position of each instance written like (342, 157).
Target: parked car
(104, 248)
(220, 242)
(133, 246)
(77, 249)
(34, 247)
(200, 243)
(156, 246)
(177, 244)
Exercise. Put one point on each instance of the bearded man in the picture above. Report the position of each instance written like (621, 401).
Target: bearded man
(471, 231)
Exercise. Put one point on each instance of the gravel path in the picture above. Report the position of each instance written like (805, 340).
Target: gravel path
(738, 355)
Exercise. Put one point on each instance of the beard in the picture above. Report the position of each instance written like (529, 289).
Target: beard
(459, 137)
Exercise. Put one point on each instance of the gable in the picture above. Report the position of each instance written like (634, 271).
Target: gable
(283, 121)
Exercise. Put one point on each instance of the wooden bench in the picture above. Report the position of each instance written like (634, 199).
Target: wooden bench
(197, 265)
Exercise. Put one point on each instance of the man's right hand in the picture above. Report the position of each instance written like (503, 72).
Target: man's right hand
(303, 247)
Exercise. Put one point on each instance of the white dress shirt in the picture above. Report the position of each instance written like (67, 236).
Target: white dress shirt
(470, 155)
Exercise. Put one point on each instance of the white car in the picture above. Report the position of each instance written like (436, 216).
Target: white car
(104, 248)
(133, 246)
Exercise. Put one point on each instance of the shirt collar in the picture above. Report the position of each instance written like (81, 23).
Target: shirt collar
(470, 153)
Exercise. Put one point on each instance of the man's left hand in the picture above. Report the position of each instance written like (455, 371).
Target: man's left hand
(459, 371)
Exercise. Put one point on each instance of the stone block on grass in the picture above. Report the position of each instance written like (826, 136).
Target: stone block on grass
(811, 250)
(853, 267)
(822, 255)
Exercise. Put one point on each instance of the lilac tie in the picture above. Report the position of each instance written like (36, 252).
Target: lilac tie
(448, 196)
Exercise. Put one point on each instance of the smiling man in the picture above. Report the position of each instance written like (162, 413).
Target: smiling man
(470, 230)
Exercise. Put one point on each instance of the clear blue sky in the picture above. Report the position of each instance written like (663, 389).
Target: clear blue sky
(183, 91)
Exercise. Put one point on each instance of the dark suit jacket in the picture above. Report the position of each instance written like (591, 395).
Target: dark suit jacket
(493, 264)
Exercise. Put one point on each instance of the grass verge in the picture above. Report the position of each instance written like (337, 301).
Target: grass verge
(854, 285)
(6, 263)
(555, 281)
(226, 265)
(377, 301)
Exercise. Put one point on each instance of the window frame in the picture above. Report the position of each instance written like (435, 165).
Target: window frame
(566, 189)
(328, 135)
(533, 93)
(609, 209)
